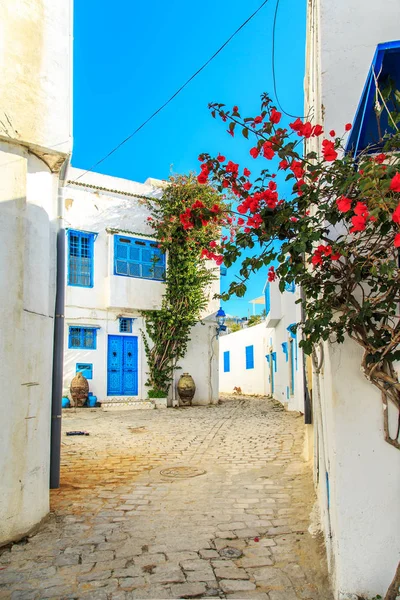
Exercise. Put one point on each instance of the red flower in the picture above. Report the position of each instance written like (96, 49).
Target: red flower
(328, 150)
(220, 158)
(204, 253)
(218, 259)
(256, 539)
(198, 204)
(213, 244)
(359, 223)
(275, 116)
(272, 186)
(225, 183)
(317, 130)
(231, 132)
(200, 157)
(395, 183)
(246, 173)
(202, 178)
(240, 221)
(380, 158)
(294, 219)
(232, 167)
(396, 215)
(283, 164)
(215, 209)
(235, 109)
(347, 127)
(397, 240)
(267, 150)
(307, 130)
(297, 169)
(242, 208)
(297, 125)
(332, 133)
(361, 209)
(254, 152)
(336, 256)
(316, 259)
(271, 274)
(258, 120)
(247, 186)
(343, 204)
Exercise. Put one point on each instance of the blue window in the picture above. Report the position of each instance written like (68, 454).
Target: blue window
(227, 362)
(372, 120)
(86, 369)
(138, 258)
(82, 337)
(267, 298)
(125, 325)
(249, 357)
(80, 258)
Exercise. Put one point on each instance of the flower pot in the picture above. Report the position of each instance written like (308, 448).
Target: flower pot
(79, 390)
(186, 389)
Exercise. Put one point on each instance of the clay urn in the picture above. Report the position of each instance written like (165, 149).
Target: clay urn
(186, 389)
(79, 390)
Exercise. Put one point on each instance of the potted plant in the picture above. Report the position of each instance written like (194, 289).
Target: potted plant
(160, 398)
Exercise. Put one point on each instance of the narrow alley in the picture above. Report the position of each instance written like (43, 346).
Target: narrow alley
(199, 502)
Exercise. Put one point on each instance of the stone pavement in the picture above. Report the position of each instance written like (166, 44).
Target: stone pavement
(181, 503)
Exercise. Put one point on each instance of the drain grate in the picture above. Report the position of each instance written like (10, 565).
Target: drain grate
(229, 552)
(182, 472)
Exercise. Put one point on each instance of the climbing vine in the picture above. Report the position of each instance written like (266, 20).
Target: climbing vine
(188, 276)
(336, 234)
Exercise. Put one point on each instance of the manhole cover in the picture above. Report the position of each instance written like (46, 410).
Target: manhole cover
(230, 552)
(182, 472)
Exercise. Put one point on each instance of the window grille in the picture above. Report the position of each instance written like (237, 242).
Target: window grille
(138, 258)
(125, 325)
(80, 258)
(82, 337)
(227, 362)
(249, 357)
(86, 369)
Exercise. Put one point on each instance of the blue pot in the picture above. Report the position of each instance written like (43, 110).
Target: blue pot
(92, 400)
(65, 403)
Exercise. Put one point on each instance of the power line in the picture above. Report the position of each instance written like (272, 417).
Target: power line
(273, 65)
(130, 136)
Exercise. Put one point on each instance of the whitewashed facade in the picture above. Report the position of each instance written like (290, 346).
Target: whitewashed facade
(357, 474)
(35, 144)
(265, 359)
(110, 280)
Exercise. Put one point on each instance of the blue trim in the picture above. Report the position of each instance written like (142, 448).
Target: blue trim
(292, 361)
(285, 350)
(386, 61)
(122, 365)
(293, 334)
(274, 361)
(125, 325)
(267, 299)
(223, 271)
(249, 357)
(287, 392)
(86, 369)
(138, 258)
(82, 338)
(227, 361)
(290, 287)
(80, 258)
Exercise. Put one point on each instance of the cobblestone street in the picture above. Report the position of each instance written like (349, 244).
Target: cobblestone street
(129, 523)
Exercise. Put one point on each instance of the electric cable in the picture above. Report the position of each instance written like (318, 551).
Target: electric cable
(130, 136)
(273, 65)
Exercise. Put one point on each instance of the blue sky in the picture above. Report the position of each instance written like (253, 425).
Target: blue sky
(129, 57)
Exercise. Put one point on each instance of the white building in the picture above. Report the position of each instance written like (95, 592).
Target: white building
(35, 143)
(357, 474)
(111, 278)
(265, 359)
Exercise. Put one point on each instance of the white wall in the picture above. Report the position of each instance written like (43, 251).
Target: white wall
(362, 522)
(105, 211)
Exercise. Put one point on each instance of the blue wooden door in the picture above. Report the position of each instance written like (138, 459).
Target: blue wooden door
(122, 365)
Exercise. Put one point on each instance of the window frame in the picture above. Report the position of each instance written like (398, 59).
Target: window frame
(90, 247)
(87, 371)
(249, 351)
(133, 241)
(127, 320)
(82, 333)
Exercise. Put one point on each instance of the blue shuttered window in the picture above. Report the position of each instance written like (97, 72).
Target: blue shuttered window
(125, 325)
(86, 369)
(267, 298)
(80, 258)
(227, 362)
(138, 258)
(249, 357)
(82, 337)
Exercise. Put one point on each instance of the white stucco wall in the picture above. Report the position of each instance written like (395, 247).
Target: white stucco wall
(95, 210)
(27, 275)
(362, 521)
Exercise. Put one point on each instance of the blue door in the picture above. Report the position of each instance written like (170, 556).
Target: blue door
(122, 365)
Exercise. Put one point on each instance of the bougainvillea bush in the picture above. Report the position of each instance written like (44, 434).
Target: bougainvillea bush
(188, 277)
(338, 232)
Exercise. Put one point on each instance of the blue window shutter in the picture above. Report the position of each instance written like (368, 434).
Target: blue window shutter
(227, 362)
(86, 369)
(80, 258)
(125, 325)
(274, 361)
(134, 257)
(82, 337)
(285, 350)
(249, 357)
(267, 299)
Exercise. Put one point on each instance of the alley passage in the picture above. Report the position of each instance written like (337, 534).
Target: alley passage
(196, 502)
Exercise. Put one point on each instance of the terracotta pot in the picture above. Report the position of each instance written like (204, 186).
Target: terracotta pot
(79, 390)
(186, 389)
